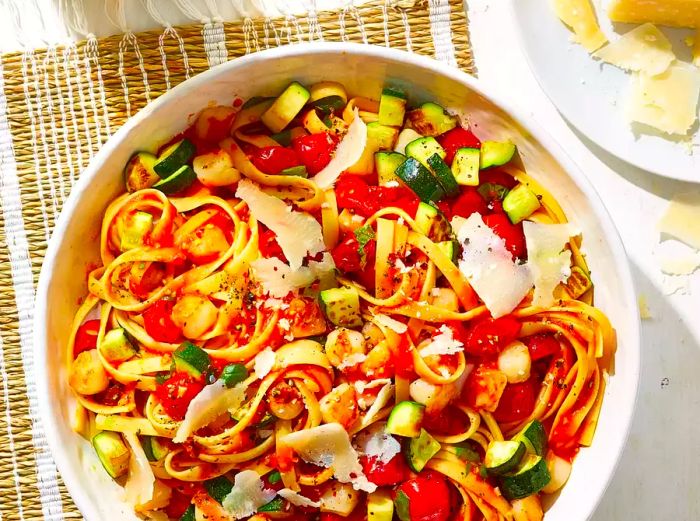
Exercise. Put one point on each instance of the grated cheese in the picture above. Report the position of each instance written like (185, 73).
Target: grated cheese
(644, 48)
(247, 495)
(442, 344)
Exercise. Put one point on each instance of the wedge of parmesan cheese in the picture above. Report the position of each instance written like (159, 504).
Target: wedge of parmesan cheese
(500, 282)
(140, 484)
(681, 220)
(547, 259)
(328, 446)
(644, 48)
(676, 13)
(668, 101)
(298, 233)
(247, 495)
(580, 17)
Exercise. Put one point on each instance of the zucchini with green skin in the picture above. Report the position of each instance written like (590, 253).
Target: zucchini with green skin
(405, 419)
(154, 449)
(275, 505)
(189, 514)
(178, 181)
(503, 456)
(191, 359)
(342, 306)
(116, 346)
(418, 451)
(392, 107)
(495, 153)
(386, 163)
(423, 148)
(465, 166)
(218, 488)
(112, 452)
(402, 506)
(450, 249)
(173, 158)
(432, 223)
(329, 104)
(233, 374)
(139, 173)
(299, 171)
(534, 437)
(380, 507)
(420, 180)
(443, 174)
(531, 477)
(520, 203)
(286, 107)
(431, 120)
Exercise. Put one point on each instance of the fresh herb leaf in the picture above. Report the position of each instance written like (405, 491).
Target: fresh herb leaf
(364, 234)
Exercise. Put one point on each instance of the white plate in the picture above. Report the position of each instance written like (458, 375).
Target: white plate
(363, 69)
(590, 95)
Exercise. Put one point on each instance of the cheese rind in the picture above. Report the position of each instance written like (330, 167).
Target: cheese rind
(676, 13)
(644, 48)
(580, 17)
(668, 101)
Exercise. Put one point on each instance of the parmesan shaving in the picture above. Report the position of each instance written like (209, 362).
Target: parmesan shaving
(140, 484)
(375, 442)
(264, 362)
(383, 399)
(247, 495)
(682, 219)
(644, 48)
(442, 344)
(328, 446)
(391, 323)
(298, 233)
(279, 279)
(297, 499)
(352, 360)
(347, 154)
(212, 401)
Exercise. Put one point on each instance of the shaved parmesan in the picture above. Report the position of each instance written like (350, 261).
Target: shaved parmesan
(391, 323)
(264, 362)
(547, 259)
(580, 17)
(500, 282)
(352, 360)
(442, 344)
(329, 446)
(644, 48)
(212, 401)
(279, 279)
(684, 264)
(297, 499)
(375, 442)
(347, 154)
(361, 386)
(668, 101)
(247, 495)
(383, 399)
(682, 219)
(140, 484)
(298, 233)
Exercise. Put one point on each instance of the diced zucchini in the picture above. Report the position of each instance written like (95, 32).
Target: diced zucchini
(256, 100)
(380, 507)
(406, 136)
(418, 451)
(443, 174)
(155, 450)
(531, 477)
(402, 506)
(466, 452)
(112, 452)
(450, 249)
(496, 153)
(432, 222)
(386, 163)
(520, 203)
(275, 505)
(534, 437)
(116, 346)
(392, 107)
(381, 136)
(299, 171)
(218, 488)
(329, 104)
(492, 191)
(178, 181)
(135, 227)
(339, 498)
(420, 180)
(250, 112)
(578, 282)
(173, 158)
(233, 374)
(342, 306)
(274, 477)
(424, 147)
(431, 120)
(503, 456)
(405, 419)
(191, 359)
(465, 166)
(139, 173)
(285, 108)
(189, 514)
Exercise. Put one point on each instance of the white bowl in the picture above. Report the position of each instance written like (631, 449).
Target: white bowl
(363, 70)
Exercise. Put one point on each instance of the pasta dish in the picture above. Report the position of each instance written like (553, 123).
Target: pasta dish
(326, 306)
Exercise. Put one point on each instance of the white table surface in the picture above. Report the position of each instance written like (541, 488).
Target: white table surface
(658, 477)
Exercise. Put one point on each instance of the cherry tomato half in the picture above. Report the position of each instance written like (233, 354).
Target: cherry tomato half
(511, 233)
(517, 402)
(488, 336)
(272, 160)
(390, 473)
(176, 393)
(423, 498)
(457, 138)
(314, 150)
(86, 337)
(542, 345)
(159, 324)
(467, 203)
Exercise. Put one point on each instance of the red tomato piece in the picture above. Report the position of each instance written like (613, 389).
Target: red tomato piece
(497, 177)
(457, 138)
(346, 254)
(269, 247)
(428, 496)
(272, 160)
(159, 324)
(488, 336)
(517, 402)
(176, 393)
(398, 196)
(390, 473)
(467, 203)
(222, 221)
(314, 151)
(542, 345)
(511, 233)
(86, 337)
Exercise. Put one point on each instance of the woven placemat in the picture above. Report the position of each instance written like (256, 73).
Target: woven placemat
(57, 108)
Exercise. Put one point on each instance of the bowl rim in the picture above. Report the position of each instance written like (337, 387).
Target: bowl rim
(70, 474)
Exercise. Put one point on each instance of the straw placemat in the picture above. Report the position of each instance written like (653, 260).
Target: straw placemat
(59, 105)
